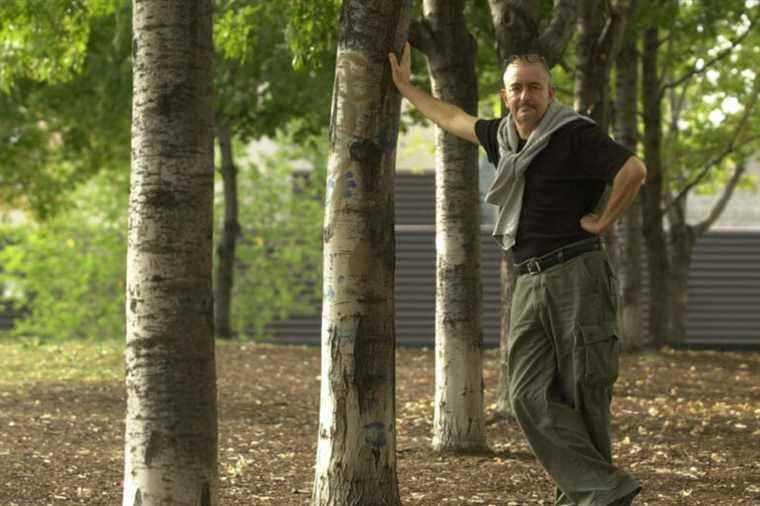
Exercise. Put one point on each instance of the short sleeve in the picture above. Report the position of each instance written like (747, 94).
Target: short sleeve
(599, 156)
(487, 132)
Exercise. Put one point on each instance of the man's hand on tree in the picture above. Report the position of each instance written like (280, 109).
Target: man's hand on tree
(402, 72)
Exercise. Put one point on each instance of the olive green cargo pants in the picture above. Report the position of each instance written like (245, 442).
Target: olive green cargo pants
(562, 363)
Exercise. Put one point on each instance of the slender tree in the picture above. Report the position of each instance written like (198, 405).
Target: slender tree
(356, 460)
(629, 226)
(260, 93)
(170, 440)
(723, 147)
(459, 422)
(652, 191)
(695, 149)
(601, 26)
(683, 235)
(519, 28)
(600, 34)
(230, 233)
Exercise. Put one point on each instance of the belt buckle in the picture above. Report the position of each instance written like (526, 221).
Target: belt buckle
(531, 270)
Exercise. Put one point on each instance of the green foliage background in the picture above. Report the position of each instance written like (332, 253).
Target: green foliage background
(68, 273)
(65, 91)
(279, 254)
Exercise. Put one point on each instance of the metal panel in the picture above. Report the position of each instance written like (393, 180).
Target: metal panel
(724, 280)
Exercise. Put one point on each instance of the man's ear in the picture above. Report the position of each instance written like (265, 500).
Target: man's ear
(552, 92)
(503, 93)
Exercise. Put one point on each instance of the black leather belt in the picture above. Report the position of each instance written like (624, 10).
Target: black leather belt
(540, 264)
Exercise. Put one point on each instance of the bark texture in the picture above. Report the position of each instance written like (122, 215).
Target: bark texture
(519, 29)
(629, 226)
(651, 192)
(682, 239)
(600, 28)
(230, 232)
(459, 421)
(170, 440)
(356, 461)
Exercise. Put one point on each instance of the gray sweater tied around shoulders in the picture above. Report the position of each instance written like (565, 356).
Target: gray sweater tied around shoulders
(507, 189)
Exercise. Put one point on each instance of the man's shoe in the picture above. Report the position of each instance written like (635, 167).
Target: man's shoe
(626, 500)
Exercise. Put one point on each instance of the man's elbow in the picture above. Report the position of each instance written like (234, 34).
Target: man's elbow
(638, 171)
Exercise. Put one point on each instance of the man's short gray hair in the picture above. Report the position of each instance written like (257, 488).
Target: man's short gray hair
(531, 58)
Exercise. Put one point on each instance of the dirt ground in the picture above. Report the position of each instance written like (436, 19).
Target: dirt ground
(686, 423)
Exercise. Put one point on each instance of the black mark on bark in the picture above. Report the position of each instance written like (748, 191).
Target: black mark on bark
(160, 198)
(375, 439)
(369, 156)
(156, 445)
(173, 101)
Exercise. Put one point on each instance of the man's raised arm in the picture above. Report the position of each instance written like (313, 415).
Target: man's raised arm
(447, 116)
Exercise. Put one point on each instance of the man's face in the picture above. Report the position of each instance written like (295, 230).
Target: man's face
(528, 94)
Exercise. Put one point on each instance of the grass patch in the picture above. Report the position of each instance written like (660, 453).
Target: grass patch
(31, 360)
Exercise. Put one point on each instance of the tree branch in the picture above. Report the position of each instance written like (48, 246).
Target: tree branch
(421, 36)
(611, 37)
(559, 31)
(720, 206)
(711, 62)
(730, 147)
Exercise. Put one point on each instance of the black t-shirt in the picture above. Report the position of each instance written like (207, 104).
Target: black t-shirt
(563, 183)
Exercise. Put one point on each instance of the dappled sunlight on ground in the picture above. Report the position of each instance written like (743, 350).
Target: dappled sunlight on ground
(686, 423)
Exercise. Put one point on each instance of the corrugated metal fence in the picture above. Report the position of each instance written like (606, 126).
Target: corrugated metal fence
(724, 281)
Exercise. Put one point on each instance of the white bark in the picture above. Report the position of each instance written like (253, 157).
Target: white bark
(356, 450)
(170, 440)
(459, 421)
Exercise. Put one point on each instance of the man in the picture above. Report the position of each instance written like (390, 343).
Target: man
(552, 166)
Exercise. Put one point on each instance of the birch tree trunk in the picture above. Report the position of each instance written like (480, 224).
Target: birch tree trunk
(629, 225)
(458, 422)
(517, 26)
(356, 450)
(227, 243)
(651, 192)
(170, 440)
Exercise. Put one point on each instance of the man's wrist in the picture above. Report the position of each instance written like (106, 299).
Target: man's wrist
(406, 89)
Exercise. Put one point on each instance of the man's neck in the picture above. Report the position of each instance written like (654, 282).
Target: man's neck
(523, 132)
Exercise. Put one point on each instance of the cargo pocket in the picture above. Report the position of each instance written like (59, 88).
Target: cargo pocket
(596, 355)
